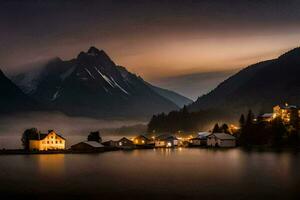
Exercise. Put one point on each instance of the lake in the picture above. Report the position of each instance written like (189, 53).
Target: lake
(153, 174)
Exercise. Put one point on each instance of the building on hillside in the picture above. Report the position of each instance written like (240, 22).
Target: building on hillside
(166, 141)
(285, 112)
(267, 117)
(221, 140)
(88, 146)
(200, 139)
(47, 141)
(141, 140)
(125, 143)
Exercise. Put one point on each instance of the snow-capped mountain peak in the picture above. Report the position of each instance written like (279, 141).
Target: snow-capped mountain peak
(93, 85)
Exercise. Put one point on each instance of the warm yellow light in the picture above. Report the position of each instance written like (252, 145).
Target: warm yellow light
(169, 144)
(143, 141)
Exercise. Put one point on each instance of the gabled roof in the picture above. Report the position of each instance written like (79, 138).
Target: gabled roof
(223, 136)
(203, 135)
(267, 115)
(93, 144)
(284, 106)
(124, 138)
(41, 136)
(141, 136)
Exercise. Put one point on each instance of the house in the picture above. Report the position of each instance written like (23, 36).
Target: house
(221, 140)
(88, 146)
(109, 143)
(285, 112)
(141, 140)
(267, 117)
(125, 143)
(47, 141)
(166, 141)
(200, 140)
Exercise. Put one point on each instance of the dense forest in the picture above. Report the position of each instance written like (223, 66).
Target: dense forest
(256, 131)
(183, 120)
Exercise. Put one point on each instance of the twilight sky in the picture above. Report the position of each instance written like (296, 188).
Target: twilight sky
(155, 39)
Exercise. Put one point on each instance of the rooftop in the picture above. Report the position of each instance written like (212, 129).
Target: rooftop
(267, 115)
(203, 134)
(93, 144)
(223, 136)
(41, 136)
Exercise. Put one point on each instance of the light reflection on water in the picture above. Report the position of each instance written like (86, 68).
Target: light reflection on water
(51, 166)
(155, 173)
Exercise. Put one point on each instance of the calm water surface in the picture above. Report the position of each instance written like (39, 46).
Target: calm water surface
(153, 174)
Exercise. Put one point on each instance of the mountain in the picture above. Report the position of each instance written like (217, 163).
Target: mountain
(12, 98)
(195, 84)
(93, 85)
(178, 99)
(258, 87)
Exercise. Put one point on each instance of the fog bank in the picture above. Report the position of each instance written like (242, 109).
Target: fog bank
(13, 125)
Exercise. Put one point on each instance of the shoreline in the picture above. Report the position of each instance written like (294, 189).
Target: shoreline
(69, 151)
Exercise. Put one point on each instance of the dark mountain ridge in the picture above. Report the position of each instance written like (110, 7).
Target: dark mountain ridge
(12, 98)
(93, 85)
(258, 87)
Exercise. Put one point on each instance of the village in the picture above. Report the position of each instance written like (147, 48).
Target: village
(34, 141)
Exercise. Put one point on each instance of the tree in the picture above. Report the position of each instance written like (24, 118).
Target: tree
(216, 128)
(294, 119)
(242, 121)
(250, 118)
(94, 136)
(278, 131)
(247, 129)
(225, 128)
(27, 135)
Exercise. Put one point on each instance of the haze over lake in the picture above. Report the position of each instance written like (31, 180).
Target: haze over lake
(153, 174)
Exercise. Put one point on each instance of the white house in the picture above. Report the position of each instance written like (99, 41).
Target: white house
(47, 141)
(200, 139)
(221, 140)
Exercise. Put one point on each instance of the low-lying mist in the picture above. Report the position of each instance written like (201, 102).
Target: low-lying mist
(72, 128)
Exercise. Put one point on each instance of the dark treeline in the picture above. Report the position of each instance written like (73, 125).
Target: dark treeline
(256, 131)
(183, 120)
(221, 129)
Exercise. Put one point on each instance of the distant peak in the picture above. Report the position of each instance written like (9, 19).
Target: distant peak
(95, 54)
(94, 51)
